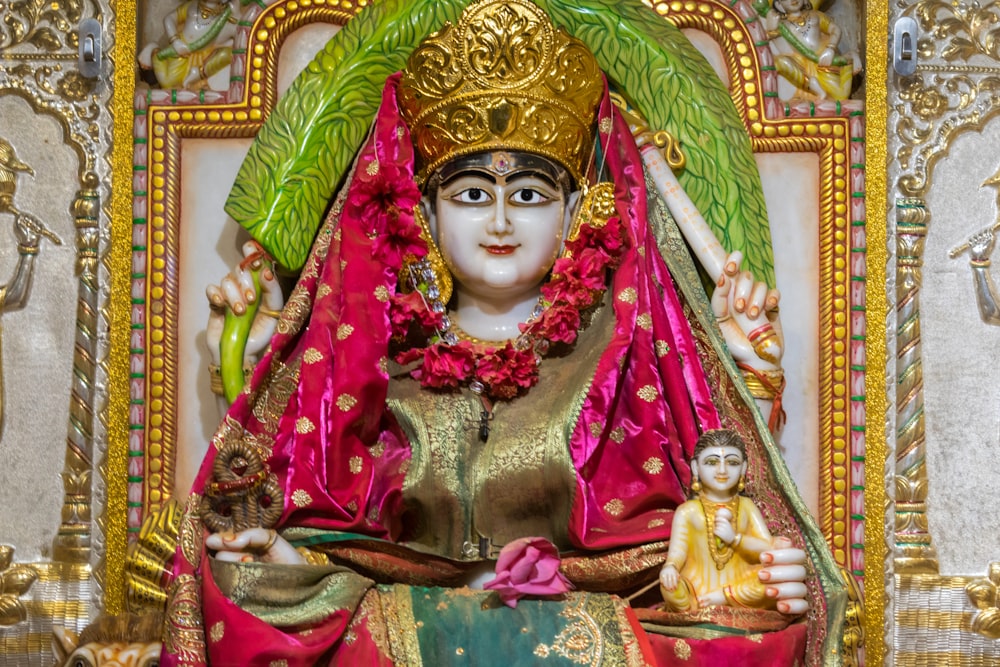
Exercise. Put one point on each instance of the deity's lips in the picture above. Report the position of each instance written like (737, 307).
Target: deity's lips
(500, 249)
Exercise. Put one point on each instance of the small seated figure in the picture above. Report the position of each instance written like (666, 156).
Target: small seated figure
(717, 538)
(199, 44)
(805, 49)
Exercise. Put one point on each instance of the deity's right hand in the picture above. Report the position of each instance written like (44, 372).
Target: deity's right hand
(981, 245)
(254, 544)
(235, 292)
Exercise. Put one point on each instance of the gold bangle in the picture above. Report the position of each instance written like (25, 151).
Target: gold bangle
(27, 249)
(215, 378)
(979, 263)
(758, 389)
(276, 314)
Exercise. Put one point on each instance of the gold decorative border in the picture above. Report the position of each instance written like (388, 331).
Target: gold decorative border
(167, 126)
(830, 139)
(119, 263)
(880, 522)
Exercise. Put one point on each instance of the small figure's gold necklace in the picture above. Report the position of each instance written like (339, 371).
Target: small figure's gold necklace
(209, 12)
(721, 553)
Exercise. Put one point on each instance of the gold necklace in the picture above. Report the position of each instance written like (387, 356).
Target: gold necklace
(721, 553)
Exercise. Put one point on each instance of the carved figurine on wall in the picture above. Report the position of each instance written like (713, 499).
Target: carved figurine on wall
(28, 230)
(198, 44)
(804, 41)
(980, 246)
(717, 538)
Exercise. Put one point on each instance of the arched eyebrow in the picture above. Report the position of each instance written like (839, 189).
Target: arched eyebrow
(492, 177)
(481, 173)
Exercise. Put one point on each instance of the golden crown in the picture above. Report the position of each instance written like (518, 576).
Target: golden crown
(503, 78)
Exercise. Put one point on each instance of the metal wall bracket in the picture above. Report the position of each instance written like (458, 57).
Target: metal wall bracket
(91, 48)
(904, 46)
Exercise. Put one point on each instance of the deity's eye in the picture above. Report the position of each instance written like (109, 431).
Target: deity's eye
(528, 197)
(712, 461)
(734, 461)
(472, 196)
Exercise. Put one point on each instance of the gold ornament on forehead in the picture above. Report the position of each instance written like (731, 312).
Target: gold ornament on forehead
(504, 78)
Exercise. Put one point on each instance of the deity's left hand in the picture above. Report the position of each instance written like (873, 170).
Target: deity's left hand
(784, 574)
(747, 313)
(253, 544)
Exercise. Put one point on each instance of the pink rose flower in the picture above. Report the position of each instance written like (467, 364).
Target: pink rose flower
(400, 240)
(407, 309)
(528, 566)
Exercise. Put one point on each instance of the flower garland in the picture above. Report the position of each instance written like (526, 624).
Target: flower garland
(416, 312)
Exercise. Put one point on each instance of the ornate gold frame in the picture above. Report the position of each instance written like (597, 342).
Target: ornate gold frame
(828, 137)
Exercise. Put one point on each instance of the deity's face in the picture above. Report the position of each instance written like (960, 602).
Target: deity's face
(499, 234)
(719, 470)
(793, 5)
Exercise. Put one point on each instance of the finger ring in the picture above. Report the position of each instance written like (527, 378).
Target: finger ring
(272, 538)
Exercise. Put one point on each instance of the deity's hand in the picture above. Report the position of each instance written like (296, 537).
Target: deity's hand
(826, 56)
(747, 313)
(723, 526)
(235, 292)
(981, 245)
(784, 574)
(669, 578)
(254, 544)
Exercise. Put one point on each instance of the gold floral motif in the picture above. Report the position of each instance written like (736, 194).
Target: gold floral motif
(382, 293)
(605, 125)
(355, 464)
(312, 355)
(653, 465)
(345, 402)
(645, 321)
(183, 635)
(45, 25)
(278, 663)
(985, 595)
(617, 435)
(628, 295)
(217, 631)
(647, 393)
(353, 506)
(383, 364)
(324, 289)
(655, 523)
(956, 31)
(487, 83)
(596, 428)
(303, 425)
(190, 533)
(378, 449)
(662, 348)
(614, 507)
(756, 638)
(372, 168)
(301, 498)
(542, 651)
(682, 650)
(343, 331)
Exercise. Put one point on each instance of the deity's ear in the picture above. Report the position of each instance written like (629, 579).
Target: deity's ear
(572, 207)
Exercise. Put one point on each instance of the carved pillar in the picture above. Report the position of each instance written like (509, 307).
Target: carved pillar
(72, 542)
(914, 551)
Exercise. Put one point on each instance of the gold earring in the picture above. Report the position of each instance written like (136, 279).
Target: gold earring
(741, 485)
(596, 206)
(695, 483)
(441, 274)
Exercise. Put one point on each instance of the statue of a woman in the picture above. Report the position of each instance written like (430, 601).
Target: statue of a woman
(484, 346)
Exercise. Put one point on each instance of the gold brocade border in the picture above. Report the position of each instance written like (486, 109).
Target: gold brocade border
(830, 139)
(878, 571)
(167, 126)
(119, 264)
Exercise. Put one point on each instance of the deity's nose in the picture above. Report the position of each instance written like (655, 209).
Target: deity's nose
(500, 225)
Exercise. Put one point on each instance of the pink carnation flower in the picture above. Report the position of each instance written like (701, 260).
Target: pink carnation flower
(446, 366)
(528, 566)
(507, 371)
